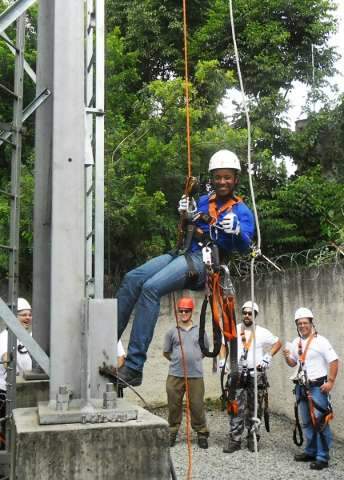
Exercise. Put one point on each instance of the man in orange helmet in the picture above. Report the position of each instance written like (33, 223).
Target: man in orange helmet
(182, 349)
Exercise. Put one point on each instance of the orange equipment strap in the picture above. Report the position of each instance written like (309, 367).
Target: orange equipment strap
(215, 211)
(302, 355)
(224, 306)
(233, 407)
(318, 424)
(247, 344)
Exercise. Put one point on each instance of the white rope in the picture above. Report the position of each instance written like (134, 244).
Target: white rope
(256, 251)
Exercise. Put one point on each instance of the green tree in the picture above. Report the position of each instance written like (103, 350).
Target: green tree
(308, 212)
(321, 142)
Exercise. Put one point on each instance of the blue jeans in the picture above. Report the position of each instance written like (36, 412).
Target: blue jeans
(317, 443)
(143, 287)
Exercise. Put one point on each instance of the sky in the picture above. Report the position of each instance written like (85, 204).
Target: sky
(297, 96)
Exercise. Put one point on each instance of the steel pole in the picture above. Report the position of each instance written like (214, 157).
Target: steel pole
(42, 194)
(68, 193)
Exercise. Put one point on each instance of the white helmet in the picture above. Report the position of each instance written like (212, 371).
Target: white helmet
(248, 304)
(23, 304)
(224, 159)
(303, 313)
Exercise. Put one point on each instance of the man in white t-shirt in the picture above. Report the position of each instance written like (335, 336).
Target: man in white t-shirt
(24, 362)
(318, 367)
(267, 345)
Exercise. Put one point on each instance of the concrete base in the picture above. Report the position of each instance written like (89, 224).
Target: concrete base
(30, 392)
(92, 413)
(137, 449)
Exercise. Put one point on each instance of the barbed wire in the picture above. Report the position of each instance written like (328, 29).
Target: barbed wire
(313, 258)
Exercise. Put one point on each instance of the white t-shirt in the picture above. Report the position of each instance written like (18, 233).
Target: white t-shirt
(120, 349)
(24, 361)
(320, 353)
(264, 341)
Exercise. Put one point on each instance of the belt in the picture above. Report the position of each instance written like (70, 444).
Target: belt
(318, 381)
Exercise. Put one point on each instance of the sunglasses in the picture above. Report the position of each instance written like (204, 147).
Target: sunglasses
(184, 311)
(22, 349)
(247, 313)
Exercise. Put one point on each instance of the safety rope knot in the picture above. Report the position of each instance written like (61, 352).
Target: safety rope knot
(255, 252)
(255, 424)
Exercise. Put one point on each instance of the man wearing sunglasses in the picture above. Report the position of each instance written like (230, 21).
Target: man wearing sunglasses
(267, 345)
(182, 349)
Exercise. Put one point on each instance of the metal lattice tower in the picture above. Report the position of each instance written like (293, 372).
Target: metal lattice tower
(68, 200)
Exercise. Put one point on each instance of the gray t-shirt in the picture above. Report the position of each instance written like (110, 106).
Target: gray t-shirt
(192, 351)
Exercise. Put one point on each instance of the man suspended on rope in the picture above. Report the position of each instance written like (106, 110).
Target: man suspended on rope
(182, 349)
(318, 366)
(222, 217)
(243, 397)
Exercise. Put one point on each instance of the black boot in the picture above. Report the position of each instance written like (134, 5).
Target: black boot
(202, 441)
(303, 457)
(173, 438)
(127, 376)
(318, 465)
(231, 446)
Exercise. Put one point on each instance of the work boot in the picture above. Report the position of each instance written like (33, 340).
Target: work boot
(173, 438)
(128, 376)
(202, 441)
(250, 444)
(303, 457)
(231, 446)
(318, 465)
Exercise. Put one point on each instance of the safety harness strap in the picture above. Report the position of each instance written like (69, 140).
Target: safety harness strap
(215, 211)
(216, 332)
(297, 433)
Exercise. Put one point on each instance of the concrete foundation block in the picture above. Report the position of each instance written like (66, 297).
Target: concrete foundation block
(30, 392)
(137, 449)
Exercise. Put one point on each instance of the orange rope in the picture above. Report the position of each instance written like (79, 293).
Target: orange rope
(187, 394)
(187, 102)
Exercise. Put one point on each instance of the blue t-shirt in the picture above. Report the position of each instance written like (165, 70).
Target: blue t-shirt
(227, 242)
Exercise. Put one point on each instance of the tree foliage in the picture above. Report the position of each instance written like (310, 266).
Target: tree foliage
(145, 119)
(321, 142)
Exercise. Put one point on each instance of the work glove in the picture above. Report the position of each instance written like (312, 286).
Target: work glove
(266, 361)
(230, 224)
(187, 205)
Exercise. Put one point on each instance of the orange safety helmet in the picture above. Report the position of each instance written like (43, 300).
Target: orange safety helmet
(186, 302)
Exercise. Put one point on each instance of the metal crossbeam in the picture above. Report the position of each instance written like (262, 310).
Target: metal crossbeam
(13, 12)
(13, 49)
(21, 333)
(28, 111)
(32, 107)
(7, 90)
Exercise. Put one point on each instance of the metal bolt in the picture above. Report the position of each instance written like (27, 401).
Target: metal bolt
(62, 398)
(109, 397)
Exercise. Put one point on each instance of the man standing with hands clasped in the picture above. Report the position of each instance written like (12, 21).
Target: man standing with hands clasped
(318, 366)
(185, 336)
